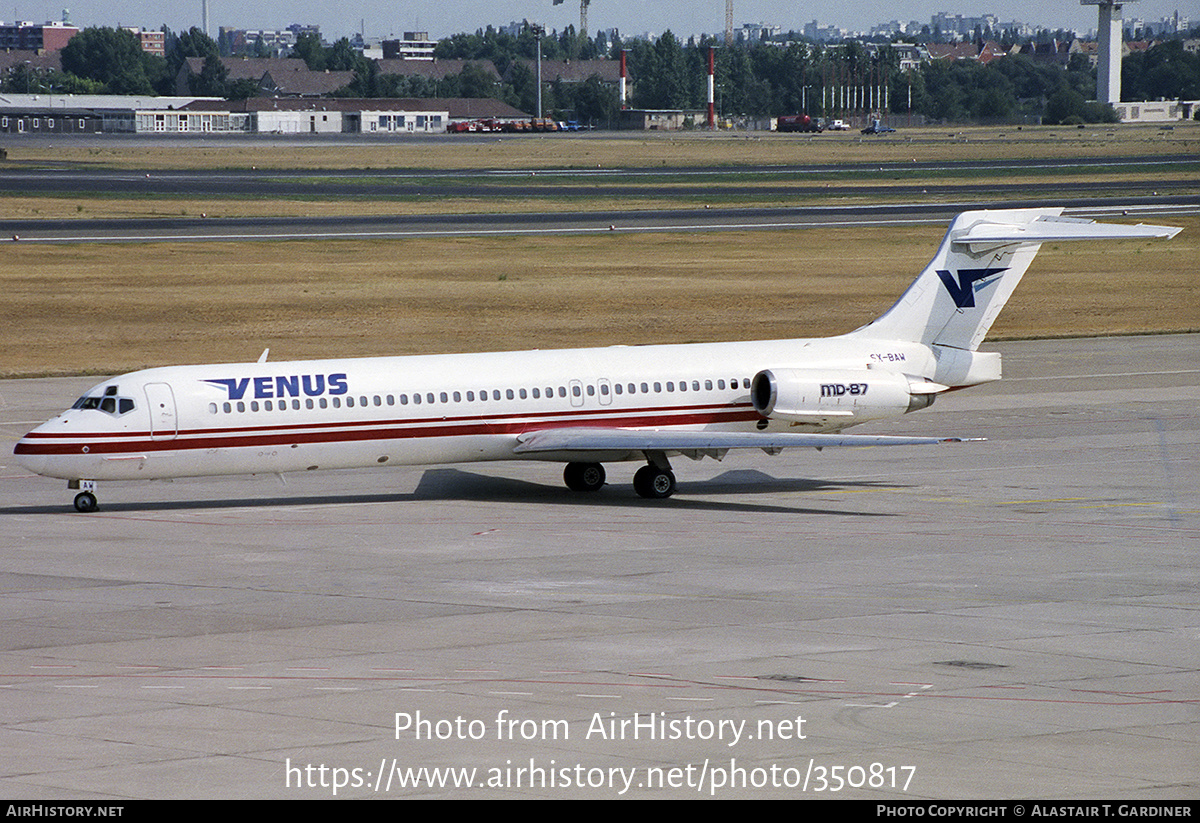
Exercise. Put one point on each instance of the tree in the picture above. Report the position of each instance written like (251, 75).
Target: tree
(595, 102)
(242, 89)
(1064, 107)
(309, 49)
(113, 57)
(1163, 72)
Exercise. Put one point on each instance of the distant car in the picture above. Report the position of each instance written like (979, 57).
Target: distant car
(877, 128)
(836, 125)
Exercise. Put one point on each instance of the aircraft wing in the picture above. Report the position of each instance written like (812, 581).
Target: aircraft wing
(698, 444)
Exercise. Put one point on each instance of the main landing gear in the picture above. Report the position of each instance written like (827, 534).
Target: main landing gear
(584, 477)
(654, 481)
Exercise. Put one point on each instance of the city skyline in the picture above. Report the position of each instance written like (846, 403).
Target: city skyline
(379, 19)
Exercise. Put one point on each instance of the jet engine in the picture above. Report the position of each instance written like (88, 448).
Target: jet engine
(838, 396)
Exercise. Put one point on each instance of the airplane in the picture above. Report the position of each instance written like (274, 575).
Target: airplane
(581, 407)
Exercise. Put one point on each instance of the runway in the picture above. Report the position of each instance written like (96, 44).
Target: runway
(390, 227)
(1011, 618)
(904, 179)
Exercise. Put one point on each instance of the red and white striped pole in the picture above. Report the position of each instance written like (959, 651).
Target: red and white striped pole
(622, 78)
(712, 112)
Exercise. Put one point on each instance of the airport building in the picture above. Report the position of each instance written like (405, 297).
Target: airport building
(110, 114)
(79, 113)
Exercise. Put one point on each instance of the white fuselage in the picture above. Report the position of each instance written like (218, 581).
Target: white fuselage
(250, 418)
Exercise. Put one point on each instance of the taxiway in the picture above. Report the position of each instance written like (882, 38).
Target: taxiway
(1012, 618)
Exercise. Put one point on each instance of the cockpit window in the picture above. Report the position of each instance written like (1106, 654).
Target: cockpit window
(109, 403)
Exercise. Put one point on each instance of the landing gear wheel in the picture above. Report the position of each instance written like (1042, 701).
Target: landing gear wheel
(654, 483)
(584, 477)
(85, 502)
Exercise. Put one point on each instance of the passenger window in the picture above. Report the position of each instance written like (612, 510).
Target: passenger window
(429, 397)
(458, 397)
(509, 394)
(470, 397)
(495, 394)
(253, 405)
(537, 393)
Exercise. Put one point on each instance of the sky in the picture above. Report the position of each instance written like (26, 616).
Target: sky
(631, 17)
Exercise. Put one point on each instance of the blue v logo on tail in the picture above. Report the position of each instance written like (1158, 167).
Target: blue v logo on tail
(962, 292)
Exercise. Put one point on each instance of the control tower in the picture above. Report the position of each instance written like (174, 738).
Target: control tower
(1108, 34)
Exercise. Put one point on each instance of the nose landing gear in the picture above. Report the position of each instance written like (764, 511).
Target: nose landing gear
(85, 501)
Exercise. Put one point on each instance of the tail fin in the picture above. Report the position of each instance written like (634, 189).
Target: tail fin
(955, 300)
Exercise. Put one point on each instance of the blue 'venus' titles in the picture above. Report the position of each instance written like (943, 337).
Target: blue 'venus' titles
(294, 385)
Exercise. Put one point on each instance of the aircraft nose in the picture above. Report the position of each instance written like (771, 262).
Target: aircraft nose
(27, 459)
(27, 453)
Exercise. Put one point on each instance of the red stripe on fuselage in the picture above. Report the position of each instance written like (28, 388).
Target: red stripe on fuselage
(312, 433)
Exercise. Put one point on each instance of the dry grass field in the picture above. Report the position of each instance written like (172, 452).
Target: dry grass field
(108, 308)
(112, 308)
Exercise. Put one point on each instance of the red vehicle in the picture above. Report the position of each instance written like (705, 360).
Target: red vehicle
(797, 122)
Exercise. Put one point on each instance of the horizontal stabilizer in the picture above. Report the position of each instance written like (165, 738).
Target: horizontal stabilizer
(1053, 228)
(610, 440)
